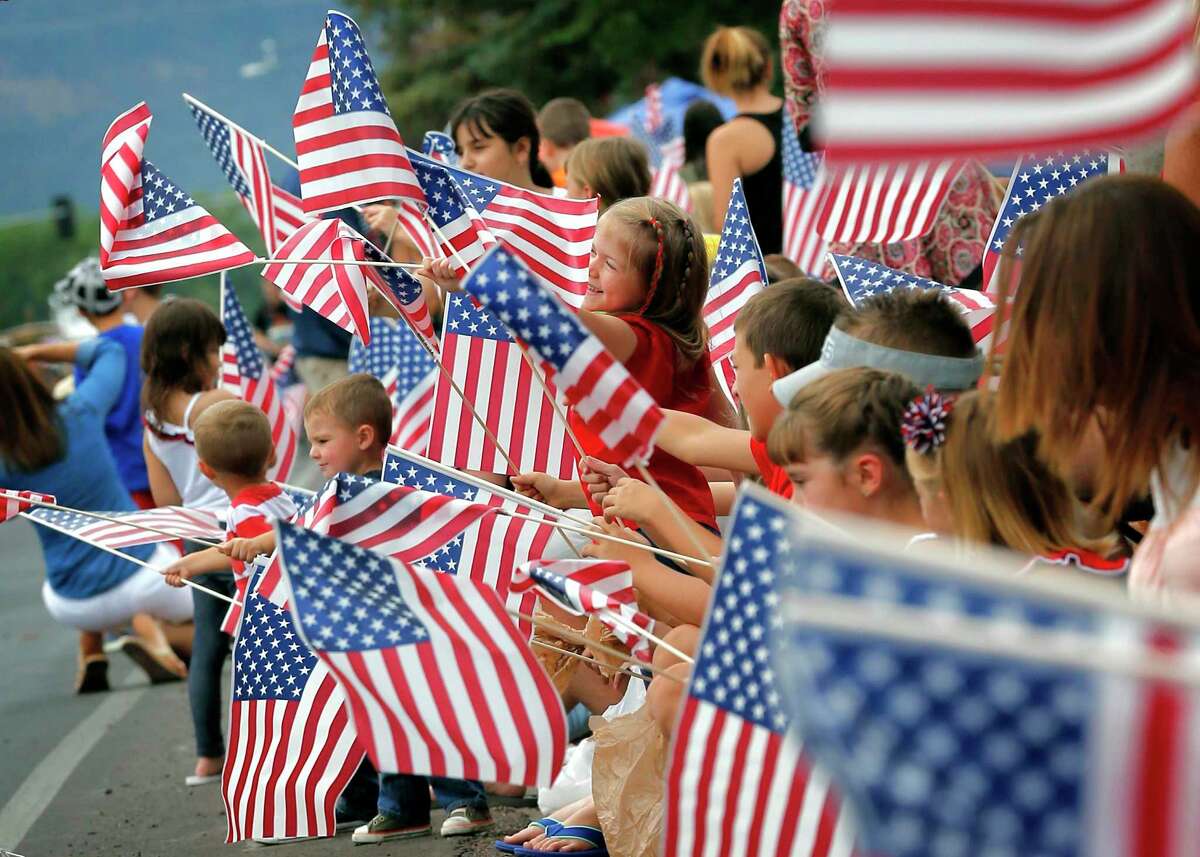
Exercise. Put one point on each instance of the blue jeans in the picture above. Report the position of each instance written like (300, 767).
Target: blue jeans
(210, 648)
(406, 796)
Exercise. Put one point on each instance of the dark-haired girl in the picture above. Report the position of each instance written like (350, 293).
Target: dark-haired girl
(497, 136)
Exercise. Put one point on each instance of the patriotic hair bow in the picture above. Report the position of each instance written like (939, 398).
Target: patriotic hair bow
(923, 426)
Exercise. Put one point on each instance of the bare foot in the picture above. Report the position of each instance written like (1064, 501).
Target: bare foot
(584, 815)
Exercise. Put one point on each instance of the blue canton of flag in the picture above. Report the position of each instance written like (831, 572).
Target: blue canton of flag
(352, 77)
(440, 147)
(1034, 182)
(404, 471)
(465, 317)
(240, 347)
(463, 234)
(269, 660)
(478, 190)
(964, 748)
(216, 134)
(393, 348)
(160, 196)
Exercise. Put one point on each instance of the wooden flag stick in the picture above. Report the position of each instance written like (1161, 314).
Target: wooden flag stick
(600, 534)
(125, 556)
(558, 630)
(580, 657)
(632, 628)
(101, 517)
(408, 266)
(680, 520)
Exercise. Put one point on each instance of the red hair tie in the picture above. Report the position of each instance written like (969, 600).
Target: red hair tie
(658, 266)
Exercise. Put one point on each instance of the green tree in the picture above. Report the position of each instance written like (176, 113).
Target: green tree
(599, 51)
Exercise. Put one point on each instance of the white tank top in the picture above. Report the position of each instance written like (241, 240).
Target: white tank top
(175, 447)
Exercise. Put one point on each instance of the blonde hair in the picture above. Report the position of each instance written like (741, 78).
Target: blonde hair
(667, 249)
(234, 437)
(615, 168)
(735, 59)
(356, 400)
(1002, 493)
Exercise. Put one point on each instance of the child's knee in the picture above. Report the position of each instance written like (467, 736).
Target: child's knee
(681, 637)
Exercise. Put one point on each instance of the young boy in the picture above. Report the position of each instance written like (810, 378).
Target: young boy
(564, 123)
(235, 450)
(348, 424)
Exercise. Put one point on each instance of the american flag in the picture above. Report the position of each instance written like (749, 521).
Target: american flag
(464, 237)
(489, 551)
(401, 289)
(412, 223)
(738, 274)
(668, 184)
(862, 280)
(152, 232)
(440, 147)
(737, 781)
(408, 374)
(1034, 182)
(600, 588)
(245, 374)
(487, 365)
(283, 367)
(337, 292)
(959, 77)
(346, 142)
(292, 746)
(980, 713)
(275, 212)
(599, 388)
(652, 116)
(12, 504)
(128, 529)
(552, 235)
(882, 204)
(438, 679)
(802, 242)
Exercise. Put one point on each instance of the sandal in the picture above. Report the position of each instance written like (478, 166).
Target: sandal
(93, 675)
(578, 832)
(547, 824)
(160, 667)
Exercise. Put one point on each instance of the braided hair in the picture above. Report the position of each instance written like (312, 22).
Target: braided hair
(667, 249)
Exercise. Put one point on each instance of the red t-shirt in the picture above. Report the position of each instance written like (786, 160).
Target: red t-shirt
(774, 476)
(653, 364)
(250, 514)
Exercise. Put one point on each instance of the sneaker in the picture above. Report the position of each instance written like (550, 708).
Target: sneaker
(466, 820)
(385, 828)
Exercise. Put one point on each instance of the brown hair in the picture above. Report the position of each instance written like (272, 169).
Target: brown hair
(789, 320)
(780, 267)
(921, 321)
(615, 168)
(356, 400)
(841, 412)
(507, 114)
(1002, 493)
(234, 437)
(564, 121)
(175, 346)
(667, 249)
(1106, 323)
(31, 434)
(735, 59)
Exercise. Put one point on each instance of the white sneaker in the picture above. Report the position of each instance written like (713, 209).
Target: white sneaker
(466, 820)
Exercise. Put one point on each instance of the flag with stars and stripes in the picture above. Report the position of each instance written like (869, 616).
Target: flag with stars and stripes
(440, 147)
(275, 212)
(408, 374)
(247, 375)
(977, 711)
(336, 291)
(959, 77)
(668, 184)
(401, 289)
(438, 680)
(292, 745)
(802, 242)
(151, 231)
(486, 364)
(882, 204)
(738, 274)
(127, 529)
(591, 587)
(862, 280)
(600, 390)
(411, 222)
(13, 503)
(489, 551)
(347, 145)
(737, 780)
(283, 367)
(461, 234)
(552, 235)
(1034, 182)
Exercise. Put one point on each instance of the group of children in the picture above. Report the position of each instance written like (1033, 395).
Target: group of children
(886, 410)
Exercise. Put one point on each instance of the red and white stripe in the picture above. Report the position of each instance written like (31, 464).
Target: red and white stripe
(979, 312)
(338, 292)
(283, 363)
(412, 414)
(882, 205)
(802, 242)
(11, 504)
(120, 171)
(668, 184)
(349, 158)
(942, 78)
(469, 703)
(169, 523)
(413, 225)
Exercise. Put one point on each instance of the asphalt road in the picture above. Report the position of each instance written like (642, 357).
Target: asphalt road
(103, 774)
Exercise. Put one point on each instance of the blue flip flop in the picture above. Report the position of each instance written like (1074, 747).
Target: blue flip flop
(547, 824)
(578, 832)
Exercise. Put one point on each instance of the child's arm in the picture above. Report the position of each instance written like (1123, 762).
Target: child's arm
(189, 566)
(559, 493)
(684, 597)
(634, 500)
(704, 443)
(247, 549)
